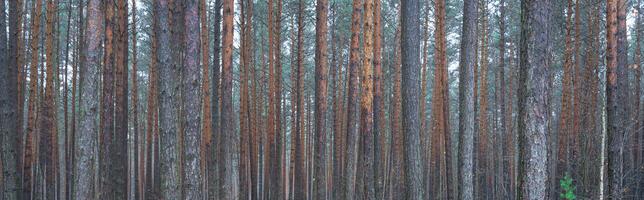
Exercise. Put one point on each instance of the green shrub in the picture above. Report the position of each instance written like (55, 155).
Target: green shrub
(567, 187)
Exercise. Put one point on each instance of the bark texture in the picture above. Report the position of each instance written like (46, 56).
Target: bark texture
(535, 79)
(321, 73)
(168, 110)
(410, 28)
(467, 101)
(87, 138)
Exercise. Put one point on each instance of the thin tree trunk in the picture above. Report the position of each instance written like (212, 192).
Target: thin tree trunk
(321, 73)
(300, 171)
(48, 131)
(244, 170)
(151, 161)
(440, 111)
(398, 183)
(230, 140)
(206, 124)
(352, 117)
(215, 148)
(379, 121)
(484, 163)
(139, 164)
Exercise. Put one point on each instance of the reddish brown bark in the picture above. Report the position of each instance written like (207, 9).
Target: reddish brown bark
(321, 73)
(32, 127)
(48, 131)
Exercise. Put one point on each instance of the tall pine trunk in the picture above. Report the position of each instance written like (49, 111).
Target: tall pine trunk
(48, 132)
(85, 144)
(410, 28)
(168, 109)
(467, 101)
(321, 74)
(11, 107)
(615, 75)
(352, 117)
(534, 117)
(230, 139)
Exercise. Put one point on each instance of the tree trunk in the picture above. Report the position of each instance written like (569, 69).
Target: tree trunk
(410, 28)
(230, 139)
(321, 73)
(10, 108)
(466, 100)
(379, 121)
(534, 98)
(615, 70)
(300, 152)
(168, 109)
(151, 161)
(119, 156)
(636, 148)
(366, 106)
(440, 109)
(244, 124)
(214, 147)
(505, 130)
(191, 95)
(32, 127)
(484, 163)
(565, 121)
(48, 132)
(107, 168)
(139, 165)
(86, 143)
(352, 117)
(398, 176)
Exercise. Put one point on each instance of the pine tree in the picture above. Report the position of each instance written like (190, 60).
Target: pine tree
(86, 143)
(48, 130)
(230, 141)
(321, 75)
(167, 99)
(466, 100)
(533, 99)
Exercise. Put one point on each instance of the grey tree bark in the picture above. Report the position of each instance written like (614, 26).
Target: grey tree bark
(86, 139)
(191, 95)
(9, 128)
(535, 78)
(168, 111)
(410, 94)
(466, 100)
